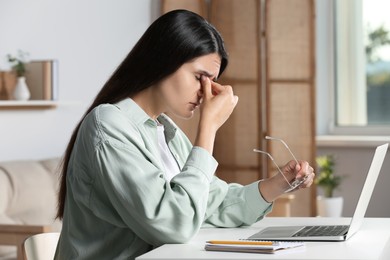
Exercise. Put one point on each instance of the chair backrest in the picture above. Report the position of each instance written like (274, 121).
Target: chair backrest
(41, 246)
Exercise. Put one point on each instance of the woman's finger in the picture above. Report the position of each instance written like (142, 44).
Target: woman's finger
(206, 85)
(217, 88)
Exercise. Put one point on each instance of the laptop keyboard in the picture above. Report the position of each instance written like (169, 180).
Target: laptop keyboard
(311, 231)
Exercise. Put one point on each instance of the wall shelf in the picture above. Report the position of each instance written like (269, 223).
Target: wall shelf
(30, 104)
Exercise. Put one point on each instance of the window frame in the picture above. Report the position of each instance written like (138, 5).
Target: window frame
(333, 128)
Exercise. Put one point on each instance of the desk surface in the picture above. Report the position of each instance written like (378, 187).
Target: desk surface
(372, 241)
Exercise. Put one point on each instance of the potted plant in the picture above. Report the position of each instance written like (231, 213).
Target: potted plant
(18, 64)
(328, 205)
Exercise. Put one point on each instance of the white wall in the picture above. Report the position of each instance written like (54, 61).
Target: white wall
(88, 38)
(353, 163)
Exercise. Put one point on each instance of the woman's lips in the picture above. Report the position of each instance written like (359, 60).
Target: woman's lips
(194, 105)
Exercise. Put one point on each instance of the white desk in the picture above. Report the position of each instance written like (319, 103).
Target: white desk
(372, 241)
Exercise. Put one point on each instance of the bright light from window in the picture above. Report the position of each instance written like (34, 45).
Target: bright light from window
(376, 14)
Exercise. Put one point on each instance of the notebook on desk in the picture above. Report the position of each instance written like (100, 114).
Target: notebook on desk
(332, 232)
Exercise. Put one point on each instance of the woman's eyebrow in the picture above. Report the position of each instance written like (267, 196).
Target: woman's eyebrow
(207, 74)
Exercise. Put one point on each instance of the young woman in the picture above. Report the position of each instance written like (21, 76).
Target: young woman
(131, 180)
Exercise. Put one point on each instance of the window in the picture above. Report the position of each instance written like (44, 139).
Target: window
(362, 66)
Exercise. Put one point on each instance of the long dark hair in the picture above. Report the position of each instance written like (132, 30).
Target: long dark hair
(172, 40)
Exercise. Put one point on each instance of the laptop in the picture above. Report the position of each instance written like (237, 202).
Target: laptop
(330, 232)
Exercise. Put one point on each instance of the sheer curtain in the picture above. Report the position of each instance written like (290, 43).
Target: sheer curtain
(350, 64)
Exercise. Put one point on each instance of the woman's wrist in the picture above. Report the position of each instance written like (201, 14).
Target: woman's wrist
(205, 137)
(271, 188)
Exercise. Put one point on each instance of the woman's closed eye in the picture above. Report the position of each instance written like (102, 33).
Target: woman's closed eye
(198, 77)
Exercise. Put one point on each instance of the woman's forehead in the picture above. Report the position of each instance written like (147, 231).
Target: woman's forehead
(207, 65)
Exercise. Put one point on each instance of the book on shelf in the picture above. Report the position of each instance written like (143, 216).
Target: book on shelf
(41, 78)
(251, 246)
(7, 84)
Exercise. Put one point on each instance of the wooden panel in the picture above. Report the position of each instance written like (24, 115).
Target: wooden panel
(238, 22)
(292, 122)
(196, 6)
(239, 135)
(290, 119)
(290, 88)
(288, 30)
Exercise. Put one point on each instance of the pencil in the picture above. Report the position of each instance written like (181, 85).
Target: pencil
(241, 242)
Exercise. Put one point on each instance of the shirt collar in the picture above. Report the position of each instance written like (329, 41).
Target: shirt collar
(169, 126)
(140, 117)
(133, 111)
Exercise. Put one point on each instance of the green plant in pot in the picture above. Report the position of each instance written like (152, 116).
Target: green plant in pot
(326, 178)
(18, 62)
(328, 206)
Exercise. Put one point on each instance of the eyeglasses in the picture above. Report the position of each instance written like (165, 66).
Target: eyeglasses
(293, 185)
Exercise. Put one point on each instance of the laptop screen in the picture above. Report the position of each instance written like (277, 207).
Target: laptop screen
(368, 188)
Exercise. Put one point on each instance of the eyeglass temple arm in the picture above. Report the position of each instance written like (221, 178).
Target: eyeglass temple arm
(272, 159)
(284, 143)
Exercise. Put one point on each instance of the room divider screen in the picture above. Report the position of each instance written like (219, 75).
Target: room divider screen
(271, 68)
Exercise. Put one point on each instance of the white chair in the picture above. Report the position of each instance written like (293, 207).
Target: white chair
(41, 246)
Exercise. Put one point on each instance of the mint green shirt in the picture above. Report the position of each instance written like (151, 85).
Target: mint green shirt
(118, 203)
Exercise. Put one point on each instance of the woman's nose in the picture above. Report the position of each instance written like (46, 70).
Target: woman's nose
(200, 93)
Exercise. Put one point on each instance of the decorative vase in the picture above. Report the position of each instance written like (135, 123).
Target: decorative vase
(329, 207)
(21, 91)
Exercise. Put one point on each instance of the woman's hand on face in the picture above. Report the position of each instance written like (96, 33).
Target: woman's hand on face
(218, 102)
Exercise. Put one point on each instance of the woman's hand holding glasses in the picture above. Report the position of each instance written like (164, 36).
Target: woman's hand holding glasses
(294, 175)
